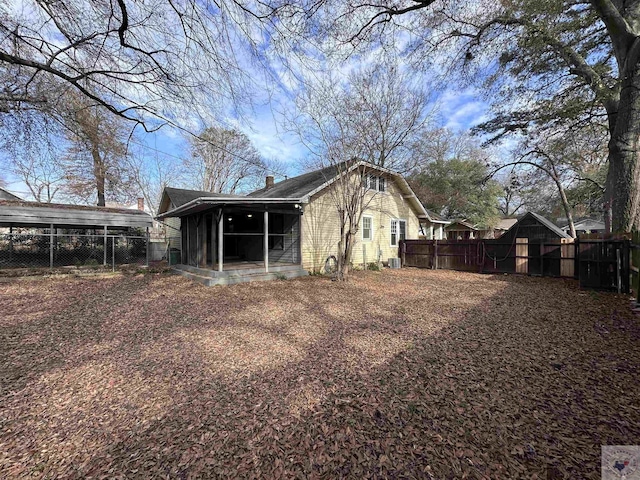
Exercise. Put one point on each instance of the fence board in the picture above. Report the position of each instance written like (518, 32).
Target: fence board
(601, 262)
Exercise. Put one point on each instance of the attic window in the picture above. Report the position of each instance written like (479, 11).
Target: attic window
(374, 182)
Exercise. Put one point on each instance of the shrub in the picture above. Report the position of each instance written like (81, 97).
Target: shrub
(374, 266)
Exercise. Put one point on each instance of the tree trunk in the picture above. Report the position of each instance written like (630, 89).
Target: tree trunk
(98, 170)
(567, 209)
(623, 185)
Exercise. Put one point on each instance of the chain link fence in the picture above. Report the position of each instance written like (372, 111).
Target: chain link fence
(27, 250)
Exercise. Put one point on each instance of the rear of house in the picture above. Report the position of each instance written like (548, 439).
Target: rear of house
(293, 224)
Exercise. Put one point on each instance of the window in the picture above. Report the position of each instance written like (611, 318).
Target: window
(372, 182)
(367, 228)
(398, 231)
(382, 184)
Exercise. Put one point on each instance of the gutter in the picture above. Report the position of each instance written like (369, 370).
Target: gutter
(226, 201)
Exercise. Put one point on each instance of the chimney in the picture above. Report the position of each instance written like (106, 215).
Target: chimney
(141, 204)
(269, 183)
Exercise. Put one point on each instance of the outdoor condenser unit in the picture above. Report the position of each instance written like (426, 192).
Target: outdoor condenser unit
(394, 263)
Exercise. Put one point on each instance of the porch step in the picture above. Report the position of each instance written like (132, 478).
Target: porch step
(244, 278)
(209, 272)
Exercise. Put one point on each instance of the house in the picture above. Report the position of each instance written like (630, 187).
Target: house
(461, 230)
(503, 225)
(290, 227)
(586, 225)
(433, 226)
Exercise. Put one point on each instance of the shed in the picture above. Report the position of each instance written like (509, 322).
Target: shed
(535, 228)
(535, 245)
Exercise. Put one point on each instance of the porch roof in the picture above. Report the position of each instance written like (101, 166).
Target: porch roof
(203, 203)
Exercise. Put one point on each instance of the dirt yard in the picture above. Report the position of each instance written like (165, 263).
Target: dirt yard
(399, 374)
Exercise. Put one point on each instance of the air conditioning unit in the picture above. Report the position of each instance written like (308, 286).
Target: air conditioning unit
(394, 263)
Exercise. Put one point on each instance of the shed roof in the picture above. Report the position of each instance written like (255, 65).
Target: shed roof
(549, 224)
(543, 221)
(35, 214)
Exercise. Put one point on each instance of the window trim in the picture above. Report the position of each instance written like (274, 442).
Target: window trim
(397, 220)
(385, 183)
(370, 239)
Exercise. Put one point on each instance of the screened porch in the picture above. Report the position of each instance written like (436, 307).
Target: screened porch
(235, 238)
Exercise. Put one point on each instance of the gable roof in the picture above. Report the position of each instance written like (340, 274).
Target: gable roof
(302, 185)
(506, 223)
(549, 224)
(435, 218)
(180, 196)
(7, 195)
(586, 224)
(464, 223)
(290, 191)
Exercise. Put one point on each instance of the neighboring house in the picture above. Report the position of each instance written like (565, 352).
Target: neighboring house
(433, 226)
(503, 225)
(461, 230)
(586, 225)
(7, 195)
(290, 226)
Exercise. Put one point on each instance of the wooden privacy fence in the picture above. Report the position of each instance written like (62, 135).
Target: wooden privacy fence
(600, 263)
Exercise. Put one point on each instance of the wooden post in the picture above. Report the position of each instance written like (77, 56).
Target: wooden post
(522, 250)
(435, 254)
(403, 252)
(188, 246)
(542, 259)
(113, 253)
(213, 240)
(220, 238)
(51, 240)
(198, 246)
(148, 247)
(266, 241)
(618, 268)
(567, 257)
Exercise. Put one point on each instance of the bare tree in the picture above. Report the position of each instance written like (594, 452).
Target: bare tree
(345, 123)
(30, 150)
(223, 161)
(150, 175)
(545, 64)
(94, 162)
(148, 62)
(564, 159)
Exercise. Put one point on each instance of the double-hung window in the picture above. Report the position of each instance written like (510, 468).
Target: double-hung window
(398, 231)
(367, 229)
(372, 183)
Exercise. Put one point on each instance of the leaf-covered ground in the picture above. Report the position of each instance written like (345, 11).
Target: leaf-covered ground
(399, 374)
